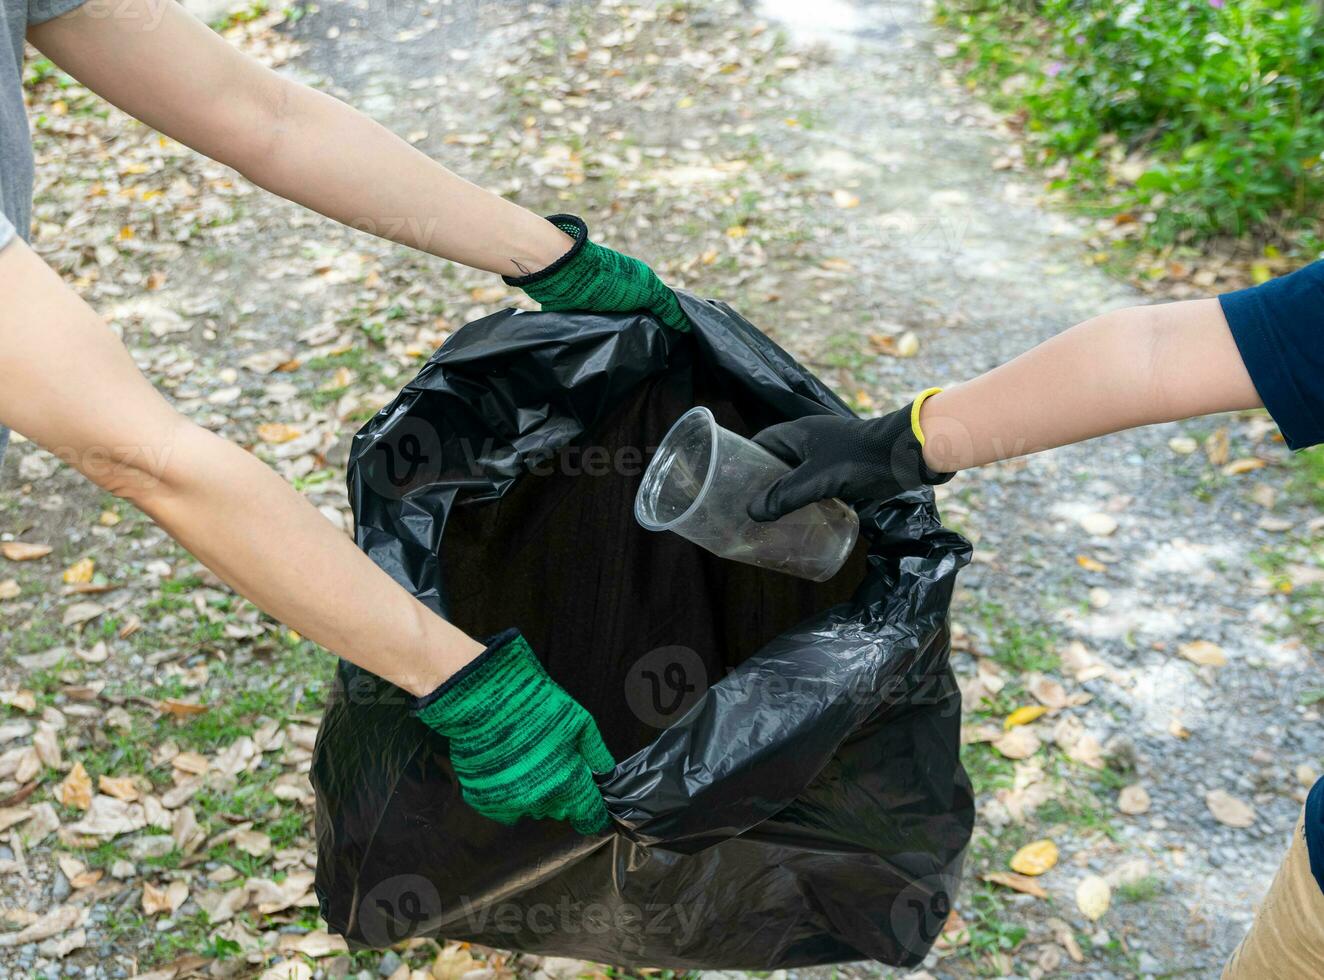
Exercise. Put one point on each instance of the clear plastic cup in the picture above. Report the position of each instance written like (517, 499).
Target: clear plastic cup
(700, 483)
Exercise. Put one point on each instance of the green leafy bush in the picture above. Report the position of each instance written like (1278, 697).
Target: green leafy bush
(1208, 113)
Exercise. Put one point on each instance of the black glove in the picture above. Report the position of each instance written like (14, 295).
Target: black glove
(856, 460)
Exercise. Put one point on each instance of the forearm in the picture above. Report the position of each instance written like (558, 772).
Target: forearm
(98, 413)
(1123, 369)
(368, 178)
(246, 524)
(160, 64)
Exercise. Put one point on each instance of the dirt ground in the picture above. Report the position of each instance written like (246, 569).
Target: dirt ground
(815, 165)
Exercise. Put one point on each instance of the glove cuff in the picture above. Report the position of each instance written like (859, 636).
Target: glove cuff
(925, 474)
(898, 445)
(576, 228)
(507, 654)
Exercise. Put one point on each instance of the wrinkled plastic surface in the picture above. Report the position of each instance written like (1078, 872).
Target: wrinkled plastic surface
(700, 483)
(789, 790)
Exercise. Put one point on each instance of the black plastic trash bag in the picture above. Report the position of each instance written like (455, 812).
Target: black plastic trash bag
(806, 804)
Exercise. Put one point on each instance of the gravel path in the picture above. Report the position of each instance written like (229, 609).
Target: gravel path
(818, 167)
(944, 244)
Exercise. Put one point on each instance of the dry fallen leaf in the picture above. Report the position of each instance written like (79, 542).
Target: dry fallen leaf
(60, 919)
(69, 865)
(270, 896)
(29, 766)
(1216, 447)
(454, 962)
(1239, 466)
(13, 815)
(1065, 936)
(10, 589)
(266, 362)
(184, 828)
(1133, 800)
(47, 743)
(23, 700)
(82, 612)
(314, 944)
(75, 790)
(180, 709)
(293, 969)
(87, 879)
(154, 899)
(221, 906)
(22, 551)
(1093, 897)
(191, 762)
(1035, 858)
(60, 947)
(80, 572)
(1016, 882)
(120, 787)
(904, 344)
(109, 817)
(168, 899)
(277, 433)
(488, 294)
(907, 345)
(99, 653)
(1024, 715)
(1090, 564)
(1228, 810)
(1099, 524)
(1183, 445)
(1204, 653)
(1019, 743)
(1048, 692)
(252, 842)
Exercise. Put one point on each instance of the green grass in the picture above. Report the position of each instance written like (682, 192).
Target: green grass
(1144, 890)
(238, 698)
(117, 753)
(1078, 809)
(1194, 120)
(987, 916)
(1305, 484)
(1020, 648)
(987, 770)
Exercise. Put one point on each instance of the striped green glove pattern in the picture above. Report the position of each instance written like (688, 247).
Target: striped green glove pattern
(520, 745)
(591, 277)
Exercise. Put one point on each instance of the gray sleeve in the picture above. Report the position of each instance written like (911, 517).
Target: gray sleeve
(40, 11)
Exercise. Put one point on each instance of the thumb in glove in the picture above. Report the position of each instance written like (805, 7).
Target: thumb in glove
(854, 459)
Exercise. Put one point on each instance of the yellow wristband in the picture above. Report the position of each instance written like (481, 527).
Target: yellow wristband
(924, 396)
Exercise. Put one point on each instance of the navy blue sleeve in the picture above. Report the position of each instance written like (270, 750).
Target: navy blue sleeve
(1314, 828)
(1279, 329)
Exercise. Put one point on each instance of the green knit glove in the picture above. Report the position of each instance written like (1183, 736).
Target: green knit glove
(590, 277)
(520, 745)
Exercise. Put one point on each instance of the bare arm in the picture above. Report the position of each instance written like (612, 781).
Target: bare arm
(67, 383)
(1117, 371)
(158, 63)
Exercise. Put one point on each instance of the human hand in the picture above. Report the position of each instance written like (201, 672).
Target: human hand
(849, 458)
(520, 745)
